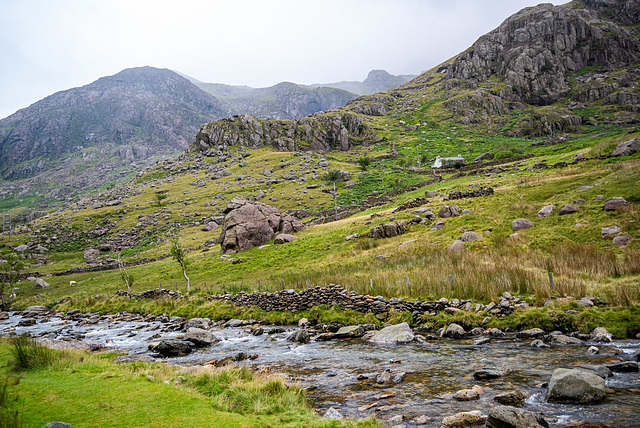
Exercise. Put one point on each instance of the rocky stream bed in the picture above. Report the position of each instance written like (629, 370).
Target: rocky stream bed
(419, 383)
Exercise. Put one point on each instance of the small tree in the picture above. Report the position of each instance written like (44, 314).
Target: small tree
(160, 196)
(364, 163)
(128, 279)
(11, 264)
(333, 175)
(178, 254)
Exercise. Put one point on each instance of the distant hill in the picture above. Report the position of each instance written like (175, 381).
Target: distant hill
(282, 101)
(288, 100)
(376, 81)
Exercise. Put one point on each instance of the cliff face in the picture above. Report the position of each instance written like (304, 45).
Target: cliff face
(333, 130)
(534, 51)
(143, 111)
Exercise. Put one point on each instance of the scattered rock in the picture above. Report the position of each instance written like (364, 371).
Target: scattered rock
(601, 334)
(609, 232)
(487, 373)
(300, 336)
(512, 417)
(333, 414)
(465, 419)
(457, 245)
(563, 340)
(438, 226)
(284, 238)
(520, 224)
(466, 395)
(171, 347)
(568, 209)
(532, 332)
(251, 224)
(40, 283)
(388, 230)
(470, 236)
(624, 367)
(622, 240)
(200, 337)
(510, 398)
(57, 425)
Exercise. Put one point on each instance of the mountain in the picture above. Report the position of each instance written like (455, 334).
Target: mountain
(140, 111)
(545, 70)
(376, 81)
(536, 72)
(284, 100)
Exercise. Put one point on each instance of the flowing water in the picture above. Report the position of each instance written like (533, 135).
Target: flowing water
(342, 373)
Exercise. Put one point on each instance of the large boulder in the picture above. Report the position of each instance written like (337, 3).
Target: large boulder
(171, 347)
(512, 417)
(200, 337)
(614, 203)
(601, 334)
(393, 334)
(388, 230)
(454, 331)
(627, 148)
(449, 211)
(40, 283)
(90, 254)
(251, 224)
(575, 386)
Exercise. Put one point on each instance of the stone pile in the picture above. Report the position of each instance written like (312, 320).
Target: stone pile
(476, 193)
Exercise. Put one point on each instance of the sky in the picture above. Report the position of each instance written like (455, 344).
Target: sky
(47, 46)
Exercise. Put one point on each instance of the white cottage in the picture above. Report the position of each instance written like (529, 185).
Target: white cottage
(448, 162)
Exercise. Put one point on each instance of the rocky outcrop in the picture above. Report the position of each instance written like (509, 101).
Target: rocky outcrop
(388, 230)
(331, 130)
(627, 148)
(251, 224)
(533, 51)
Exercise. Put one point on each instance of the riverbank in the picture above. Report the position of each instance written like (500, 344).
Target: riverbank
(415, 381)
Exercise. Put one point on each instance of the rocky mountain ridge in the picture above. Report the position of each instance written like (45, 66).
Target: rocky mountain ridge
(533, 75)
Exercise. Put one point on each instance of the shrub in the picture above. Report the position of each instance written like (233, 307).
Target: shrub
(364, 163)
(333, 175)
(28, 354)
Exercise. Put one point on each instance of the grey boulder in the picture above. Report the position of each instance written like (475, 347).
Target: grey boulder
(575, 386)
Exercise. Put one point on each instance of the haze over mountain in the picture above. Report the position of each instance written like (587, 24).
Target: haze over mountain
(288, 100)
(376, 81)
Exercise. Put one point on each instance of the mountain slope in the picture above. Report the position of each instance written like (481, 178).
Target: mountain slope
(142, 111)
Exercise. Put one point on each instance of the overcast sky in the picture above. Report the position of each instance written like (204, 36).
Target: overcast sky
(47, 46)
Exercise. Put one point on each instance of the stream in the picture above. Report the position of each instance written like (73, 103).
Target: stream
(342, 373)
